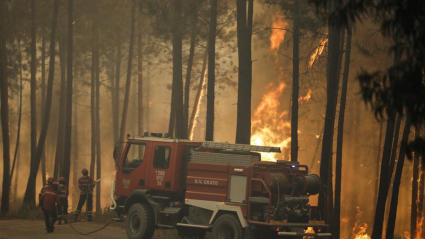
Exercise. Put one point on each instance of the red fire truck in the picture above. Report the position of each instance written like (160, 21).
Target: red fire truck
(225, 188)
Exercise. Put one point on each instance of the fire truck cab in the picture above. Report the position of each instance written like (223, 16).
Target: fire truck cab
(197, 187)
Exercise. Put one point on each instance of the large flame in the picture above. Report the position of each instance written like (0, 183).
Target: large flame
(278, 32)
(359, 230)
(268, 124)
(317, 52)
(198, 108)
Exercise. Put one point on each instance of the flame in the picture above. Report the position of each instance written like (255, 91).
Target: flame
(305, 98)
(198, 108)
(268, 125)
(317, 52)
(419, 228)
(309, 230)
(359, 230)
(278, 32)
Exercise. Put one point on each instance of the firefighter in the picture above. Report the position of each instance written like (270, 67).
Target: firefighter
(63, 196)
(86, 185)
(49, 201)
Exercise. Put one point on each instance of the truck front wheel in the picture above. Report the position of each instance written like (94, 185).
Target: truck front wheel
(140, 222)
(227, 226)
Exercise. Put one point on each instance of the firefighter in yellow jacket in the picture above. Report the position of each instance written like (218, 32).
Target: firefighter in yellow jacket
(86, 185)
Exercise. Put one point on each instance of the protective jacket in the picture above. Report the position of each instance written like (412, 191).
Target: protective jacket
(86, 185)
(50, 198)
(63, 191)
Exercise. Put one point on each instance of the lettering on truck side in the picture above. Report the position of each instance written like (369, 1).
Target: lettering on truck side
(206, 182)
(160, 177)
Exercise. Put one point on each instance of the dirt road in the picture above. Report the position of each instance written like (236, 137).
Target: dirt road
(19, 229)
(36, 229)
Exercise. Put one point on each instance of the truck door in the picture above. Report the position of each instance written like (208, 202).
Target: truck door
(133, 169)
(160, 171)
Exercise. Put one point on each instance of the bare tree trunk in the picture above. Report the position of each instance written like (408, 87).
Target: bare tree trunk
(332, 93)
(397, 179)
(75, 192)
(29, 198)
(378, 160)
(93, 103)
(18, 134)
(68, 114)
(4, 111)
(177, 89)
(62, 106)
(33, 86)
(295, 81)
(189, 66)
(198, 95)
(384, 179)
(414, 205)
(129, 68)
(340, 139)
(98, 143)
(421, 194)
(244, 34)
(116, 105)
(209, 132)
(43, 101)
(394, 148)
(140, 80)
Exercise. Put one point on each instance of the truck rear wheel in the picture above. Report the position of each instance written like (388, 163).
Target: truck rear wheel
(191, 233)
(227, 226)
(140, 222)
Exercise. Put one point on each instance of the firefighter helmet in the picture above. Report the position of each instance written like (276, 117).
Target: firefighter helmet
(50, 180)
(61, 179)
(85, 171)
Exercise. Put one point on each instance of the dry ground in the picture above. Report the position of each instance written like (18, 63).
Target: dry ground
(19, 229)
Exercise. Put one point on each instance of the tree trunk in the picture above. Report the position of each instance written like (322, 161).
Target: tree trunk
(75, 194)
(378, 159)
(140, 80)
(4, 111)
(209, 132)
(397, 178)
(129, 68)
(43, 101)
(29, 198)
(295, 82)
(177, 89)
(18, 134)
(414, 203)
(331, 98)
(98, 138)
(62, 106)
(33, 94)
(198, 96)
(244, 34)
(384, 179)
(93, 103)
(394, 148)
(340, 139)
(116, 105)
(189, 67)
(68, 114)
(421, 194)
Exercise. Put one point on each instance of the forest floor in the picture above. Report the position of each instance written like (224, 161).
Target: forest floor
(20, 228)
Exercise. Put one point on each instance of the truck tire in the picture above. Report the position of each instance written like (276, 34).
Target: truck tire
(140, 222)
(191, 233)
(227, 226)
